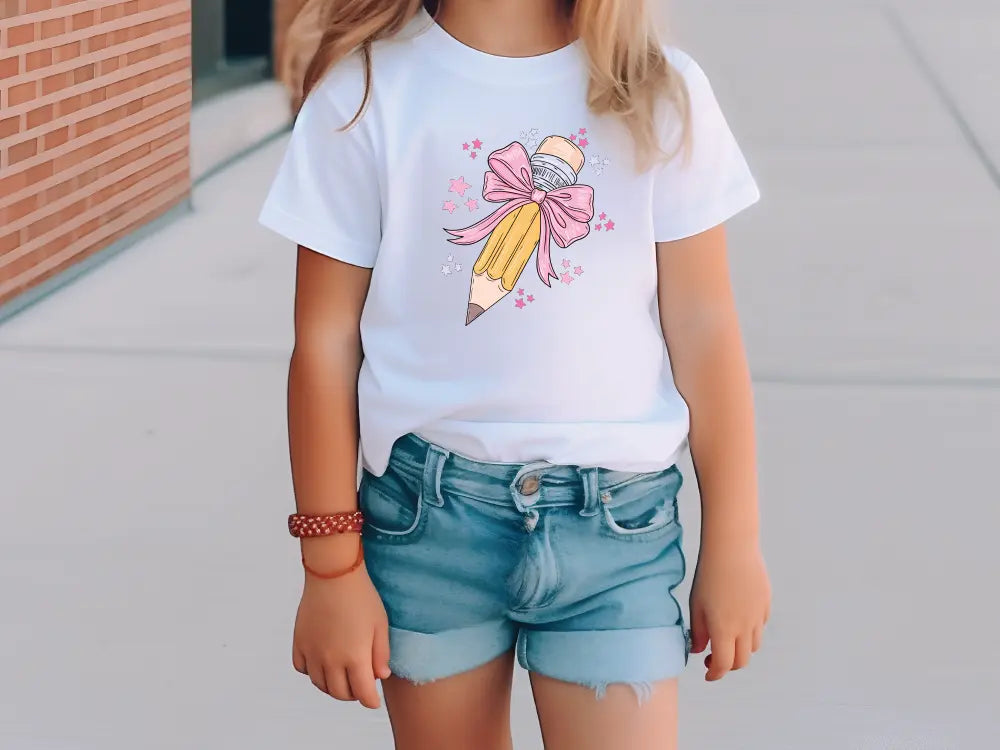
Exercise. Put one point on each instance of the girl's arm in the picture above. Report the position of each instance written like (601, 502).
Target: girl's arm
(730, 598)
(341, 631)
(323, 384)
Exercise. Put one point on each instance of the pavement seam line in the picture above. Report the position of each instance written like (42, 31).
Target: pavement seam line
(915, 52)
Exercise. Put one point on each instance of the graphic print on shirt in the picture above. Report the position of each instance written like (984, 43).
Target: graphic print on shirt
(541, 203)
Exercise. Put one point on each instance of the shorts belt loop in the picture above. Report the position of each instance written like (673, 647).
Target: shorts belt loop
(591, 492)
(433, 468)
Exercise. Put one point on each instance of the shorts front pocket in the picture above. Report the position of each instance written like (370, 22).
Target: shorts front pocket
(641, 511)
(393, 511)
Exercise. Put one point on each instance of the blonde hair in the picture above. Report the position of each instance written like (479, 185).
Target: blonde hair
(629, 74)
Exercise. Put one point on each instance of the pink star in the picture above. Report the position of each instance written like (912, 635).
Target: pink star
(459, 185)
(477, 144)
(531, 298)
(565, 263)
(473, 155)
(566, 279)
(583, 131)
(465, 146)
(584, 143)
(608, 226)
(519, 303)
(449, 206)
(472, 204)
(573, 137)
(578, 270)
(597, 228)
(603, 216)
(520, 292)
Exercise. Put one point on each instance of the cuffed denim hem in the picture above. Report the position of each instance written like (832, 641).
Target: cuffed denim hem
(423, 657)
(598, 658)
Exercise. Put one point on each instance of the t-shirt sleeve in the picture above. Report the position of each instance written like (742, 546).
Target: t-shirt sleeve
(326, 194)
(695, 192)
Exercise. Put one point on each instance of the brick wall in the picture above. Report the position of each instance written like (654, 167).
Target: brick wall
(95, 100)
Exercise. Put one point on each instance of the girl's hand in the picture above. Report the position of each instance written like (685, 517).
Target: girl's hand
(342, 637)
(730, 604)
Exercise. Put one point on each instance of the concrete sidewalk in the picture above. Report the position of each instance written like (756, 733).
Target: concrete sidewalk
(142, 409)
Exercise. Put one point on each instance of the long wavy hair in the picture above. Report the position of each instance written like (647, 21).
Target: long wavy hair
(629, 74)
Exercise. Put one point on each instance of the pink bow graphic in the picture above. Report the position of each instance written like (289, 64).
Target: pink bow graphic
(565, 212)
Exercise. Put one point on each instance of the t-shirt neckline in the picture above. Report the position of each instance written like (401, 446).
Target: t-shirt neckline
(485, 66)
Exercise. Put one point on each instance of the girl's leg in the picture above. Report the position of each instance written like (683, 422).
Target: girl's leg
(572, 717)
(468, 710)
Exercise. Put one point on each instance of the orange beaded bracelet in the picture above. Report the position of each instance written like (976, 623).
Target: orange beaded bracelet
(304, 525)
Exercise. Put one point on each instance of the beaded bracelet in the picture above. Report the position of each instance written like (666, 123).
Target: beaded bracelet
(304, 525)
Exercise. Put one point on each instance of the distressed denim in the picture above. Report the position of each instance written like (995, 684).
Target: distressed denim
(575, 567)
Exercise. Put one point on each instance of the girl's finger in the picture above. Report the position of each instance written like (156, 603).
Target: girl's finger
(362, 681)
(314, 669)
(699, 631)
(723, 653)
(742, 653)
(299, 661)
(338, 684)
(380, 652)
(757, 635)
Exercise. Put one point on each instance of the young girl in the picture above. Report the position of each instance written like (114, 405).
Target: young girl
(508, 212)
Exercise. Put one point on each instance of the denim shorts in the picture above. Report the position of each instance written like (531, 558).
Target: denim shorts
(575, 567)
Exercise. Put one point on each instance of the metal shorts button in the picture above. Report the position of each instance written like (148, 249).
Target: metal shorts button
(529, 486)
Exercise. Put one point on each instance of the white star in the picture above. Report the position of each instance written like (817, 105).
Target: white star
(533, 132)
(458, 267)
(446, 269)
(451, 258)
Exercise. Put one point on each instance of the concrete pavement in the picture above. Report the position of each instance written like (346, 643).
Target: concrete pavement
(142, 408)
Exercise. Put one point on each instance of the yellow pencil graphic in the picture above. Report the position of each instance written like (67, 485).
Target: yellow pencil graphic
(541, 204)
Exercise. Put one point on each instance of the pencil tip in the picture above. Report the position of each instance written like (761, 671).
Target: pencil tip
(473, 312)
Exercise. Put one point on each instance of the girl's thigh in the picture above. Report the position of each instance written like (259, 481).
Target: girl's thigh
(572, 717)
(467, 710)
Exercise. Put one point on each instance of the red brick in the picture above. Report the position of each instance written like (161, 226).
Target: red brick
(38, 59)
(57, 137)
(97, 43)
(41, 172)
(84, 20)
(112, 12)
(10, 185)
(143, 54)
(83, 73)
(108, 66)
(9, 126)
(33, 6)
(60, 191)
(22, 151)
(18, 35)
(66, 51)
(9, 8)
(21, 94)
(9, 66)
(20, 209)
(9, 242)
(56, 82)
(40, 116)
(132, 7)
(53, 27)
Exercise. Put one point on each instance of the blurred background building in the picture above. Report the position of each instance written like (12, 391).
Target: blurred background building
(96, 119)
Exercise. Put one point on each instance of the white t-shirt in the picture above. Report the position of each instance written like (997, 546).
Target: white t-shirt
(512, 314)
